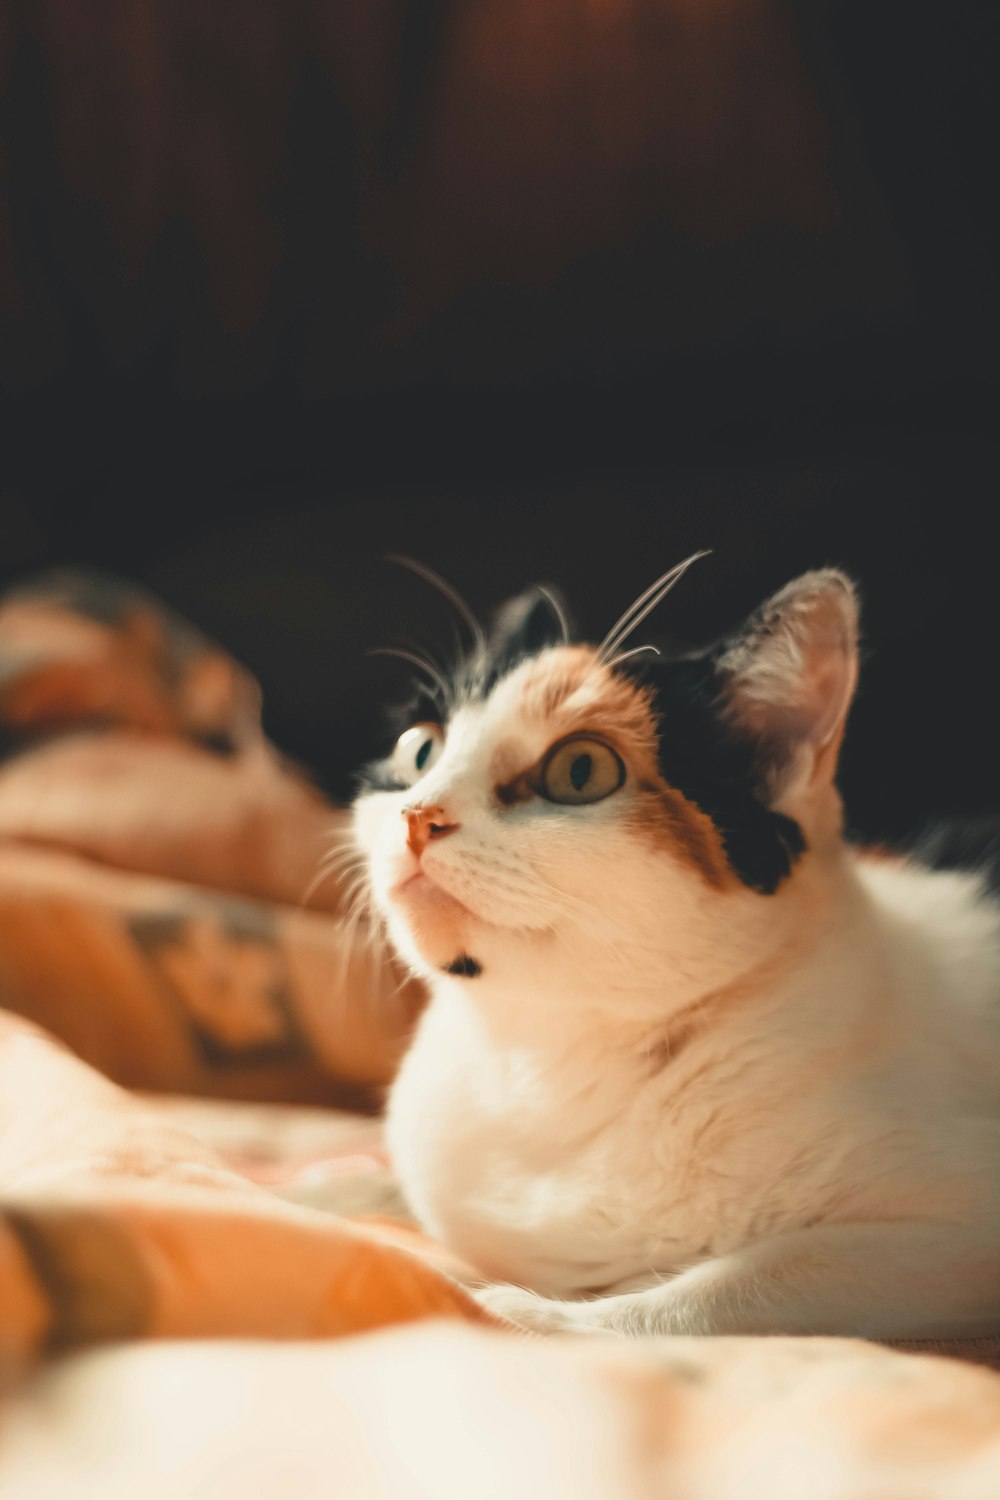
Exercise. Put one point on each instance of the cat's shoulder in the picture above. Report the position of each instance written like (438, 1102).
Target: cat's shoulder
(957, 855)
(969, 845)
(939, 898)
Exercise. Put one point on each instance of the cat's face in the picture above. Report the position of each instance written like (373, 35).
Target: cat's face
(571, 821)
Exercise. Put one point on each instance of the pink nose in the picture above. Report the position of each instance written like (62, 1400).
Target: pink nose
(425, 823)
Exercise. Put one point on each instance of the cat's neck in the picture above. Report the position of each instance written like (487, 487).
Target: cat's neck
(821, 936)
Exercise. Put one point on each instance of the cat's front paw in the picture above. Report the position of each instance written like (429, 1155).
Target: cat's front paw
(538, 1314)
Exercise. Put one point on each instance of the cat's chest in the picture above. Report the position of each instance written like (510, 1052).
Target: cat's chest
(564, 1182)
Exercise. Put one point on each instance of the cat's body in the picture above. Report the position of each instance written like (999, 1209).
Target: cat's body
(691, 1070)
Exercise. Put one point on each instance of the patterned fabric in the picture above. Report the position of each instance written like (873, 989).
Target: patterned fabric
(159, 902)
(153, 855)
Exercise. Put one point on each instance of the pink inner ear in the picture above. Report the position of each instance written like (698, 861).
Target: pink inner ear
(828, 682)
(794, 675)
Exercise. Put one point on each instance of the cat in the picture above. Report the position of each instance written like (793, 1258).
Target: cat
(691, 1063)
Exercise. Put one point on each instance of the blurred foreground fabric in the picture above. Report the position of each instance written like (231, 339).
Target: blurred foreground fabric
(185, 1306)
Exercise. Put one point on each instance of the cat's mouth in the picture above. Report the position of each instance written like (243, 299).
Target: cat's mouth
(419, 891)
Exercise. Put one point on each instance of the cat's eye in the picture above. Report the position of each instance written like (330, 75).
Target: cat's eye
(416, 750)
(581, 770)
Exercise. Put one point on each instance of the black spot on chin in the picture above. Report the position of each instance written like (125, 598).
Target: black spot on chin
(465, 966)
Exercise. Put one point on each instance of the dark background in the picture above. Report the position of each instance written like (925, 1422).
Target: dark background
(530, 289)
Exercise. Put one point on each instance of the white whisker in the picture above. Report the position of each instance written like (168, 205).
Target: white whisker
(558, 611)
(624, 656)
(445, 588)
(416, 661)
(344, 859)
(646, 602)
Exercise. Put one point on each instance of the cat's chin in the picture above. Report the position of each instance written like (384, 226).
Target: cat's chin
(439, 927)
(419, 899)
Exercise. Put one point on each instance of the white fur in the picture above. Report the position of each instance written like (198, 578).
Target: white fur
(823, 1152)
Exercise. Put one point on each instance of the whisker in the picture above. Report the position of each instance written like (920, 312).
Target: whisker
(415, 661)
(445, 588)
(344, 858)
(356, 896)
(336, 863)
(647, 601)
(317, 882)
(624, 656)
(347, 857)
(558, 611)
(326, 871)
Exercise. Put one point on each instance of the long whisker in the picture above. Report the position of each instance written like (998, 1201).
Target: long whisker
(342, 860)
(646, 602)
(344, 850)
(558, 611)
(318, 880)
(344, 844)
(355, 891)
(327, 870)
(624, 655)
(443, 587)
(415, 661)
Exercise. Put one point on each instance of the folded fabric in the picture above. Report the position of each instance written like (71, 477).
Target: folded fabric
(164, 907)
(114, 1224)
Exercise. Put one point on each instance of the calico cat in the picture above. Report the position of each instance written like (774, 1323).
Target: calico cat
(691, 1063)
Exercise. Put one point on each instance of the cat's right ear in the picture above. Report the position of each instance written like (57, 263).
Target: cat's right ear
(528, 624)
(789, 677)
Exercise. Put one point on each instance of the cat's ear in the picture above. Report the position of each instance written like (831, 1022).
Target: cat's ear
(789, 677)
(529, 623)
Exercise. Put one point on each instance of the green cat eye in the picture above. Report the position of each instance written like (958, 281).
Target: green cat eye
(581, 770)
(416, 751)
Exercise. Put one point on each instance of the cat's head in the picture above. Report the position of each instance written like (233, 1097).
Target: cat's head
(567, 817)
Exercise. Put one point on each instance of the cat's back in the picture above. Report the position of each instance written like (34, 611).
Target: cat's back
(939, 906)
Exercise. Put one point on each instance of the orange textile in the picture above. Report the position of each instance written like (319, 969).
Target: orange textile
(156, 856)
(115, 1224)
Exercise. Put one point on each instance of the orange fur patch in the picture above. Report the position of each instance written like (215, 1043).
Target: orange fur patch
(570, 692)
(683, 829)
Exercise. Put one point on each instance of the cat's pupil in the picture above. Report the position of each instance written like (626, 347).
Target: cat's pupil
(579, 771)
(422, 754)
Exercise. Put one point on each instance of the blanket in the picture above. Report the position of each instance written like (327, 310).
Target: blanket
(193, 1041)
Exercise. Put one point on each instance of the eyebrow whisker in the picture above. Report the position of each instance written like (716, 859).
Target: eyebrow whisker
(624, 655)
(445, 588)
(646, 602)
(557, 610)
(416, 661)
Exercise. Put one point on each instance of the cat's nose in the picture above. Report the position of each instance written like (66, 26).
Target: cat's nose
(425, 823)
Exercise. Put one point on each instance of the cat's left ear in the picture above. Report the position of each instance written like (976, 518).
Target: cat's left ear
(528, 624)
(789, 678)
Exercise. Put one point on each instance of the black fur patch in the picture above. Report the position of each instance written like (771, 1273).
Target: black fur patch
(524, 627)
(704, 758)
(469, 968)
